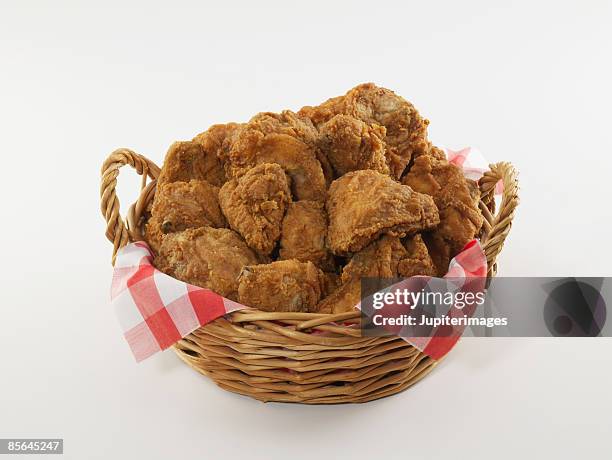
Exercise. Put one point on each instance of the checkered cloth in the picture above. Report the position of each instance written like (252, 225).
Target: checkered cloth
(155, 310)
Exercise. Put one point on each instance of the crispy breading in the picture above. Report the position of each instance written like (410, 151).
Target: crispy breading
(285, 140)
(255, 205)
(178, 206)
(342, 300)
(362, 205)
(456, 199)
(380, 259)
(303, 234)
(188, 160)
(417, 260)
(218, 140)
(406, 130)
(285, 285)
(351, 144)
(208, 257)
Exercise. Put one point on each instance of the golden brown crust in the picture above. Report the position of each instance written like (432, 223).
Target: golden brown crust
(417, 260)
(218, 140)
(456, 198)
(189, 160)
(255, 144)
(365, 204)
(342, 300)
(380, 259)
(303, 234)
(255, 205)
(406, 130)
(351, 144)
(181, 205)
(208, 257)
(285, 285)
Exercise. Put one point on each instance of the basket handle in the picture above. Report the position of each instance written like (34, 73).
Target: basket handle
(117, 231)
(497, 230)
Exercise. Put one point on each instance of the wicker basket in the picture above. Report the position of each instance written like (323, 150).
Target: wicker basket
(274, 356)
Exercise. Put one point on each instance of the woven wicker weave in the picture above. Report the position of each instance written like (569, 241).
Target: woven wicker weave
(274, 356)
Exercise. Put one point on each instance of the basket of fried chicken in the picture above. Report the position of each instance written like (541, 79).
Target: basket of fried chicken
(283, 215)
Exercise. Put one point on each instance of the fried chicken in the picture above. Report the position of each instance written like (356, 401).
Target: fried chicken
(218, 140)
(255, 205)
(439, 251)
(406, 130)
(316, 201)
(417, 260)
(363, 205)
(181, 205)
(208, 257)
(285, 285)
(457, 202)
(294, 125)
(285, 140)
(188, 160)
(303, 234)
(342, 300)
(379, 259)
(351, 144)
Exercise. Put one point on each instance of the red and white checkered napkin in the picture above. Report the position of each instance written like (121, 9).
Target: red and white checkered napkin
(472, 162)
(155, 310)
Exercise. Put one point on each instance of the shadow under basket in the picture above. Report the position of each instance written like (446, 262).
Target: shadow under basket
(276, 356)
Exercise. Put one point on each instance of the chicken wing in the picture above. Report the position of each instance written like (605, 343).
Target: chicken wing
(178, 206)
(351, 144)
(255, 205)
(285, 285)
(457, 201)
(406, 130)
(363, 205)
(303, 234)
(208, 257)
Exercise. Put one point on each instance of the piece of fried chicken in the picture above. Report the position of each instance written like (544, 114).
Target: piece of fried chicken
(285, 285)
(303, 234)
(181, 205)
(218, 140)
(380, 259)
(417, 260)
(362, 205)
(189, 160)
(284, 139)
(406, 130)
(457, 200)
(208, 257)
(255, 205)
(351, 144)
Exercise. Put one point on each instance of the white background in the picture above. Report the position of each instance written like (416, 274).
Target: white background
(527, 82)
